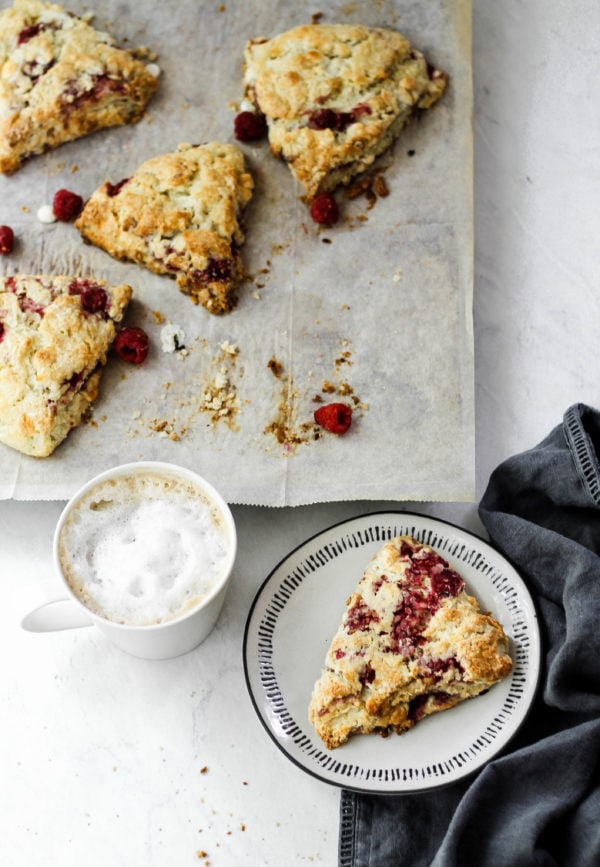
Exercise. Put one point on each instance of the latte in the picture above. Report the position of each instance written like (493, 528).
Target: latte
(143, 548)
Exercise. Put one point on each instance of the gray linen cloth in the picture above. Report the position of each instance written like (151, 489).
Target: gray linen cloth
(539, 802)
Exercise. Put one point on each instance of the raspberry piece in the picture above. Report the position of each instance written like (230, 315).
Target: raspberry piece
(131, 344)
(324, 118)
(324, 210)
(217, 271)
(360, 616)
(93, 298)
(114, 189)
(446, 582)
(327, 118)
(367, 675)
(29, 32)
(416, 708)
(249, 126)
(334, 417)
(66, 205)
(360, 109)
(7, 240)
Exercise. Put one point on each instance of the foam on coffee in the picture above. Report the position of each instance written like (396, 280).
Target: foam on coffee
(143, 548)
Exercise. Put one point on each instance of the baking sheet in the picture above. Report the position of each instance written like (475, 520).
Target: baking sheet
(375, 311)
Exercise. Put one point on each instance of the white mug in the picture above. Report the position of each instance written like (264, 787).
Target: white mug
(58, 606)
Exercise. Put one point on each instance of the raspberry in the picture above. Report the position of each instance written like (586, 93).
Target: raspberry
(416, 708)
(367, 675)
(114, 189)
(93, 298)
(324, 118)
(446, 582)
(327, 118)
(324, 210)
(217, 271)
(66, 205)
(359, 617)
(249, 126)
(334, 417)
(131, 344)
(29, 32)
(7, 240)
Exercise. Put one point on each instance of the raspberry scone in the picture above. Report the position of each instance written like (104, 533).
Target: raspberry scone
(61, 79)
(178, 214)
(411, 642)
(55, 332)
(335, 96)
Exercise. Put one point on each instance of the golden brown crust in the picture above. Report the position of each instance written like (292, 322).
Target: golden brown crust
(55, 332)
(371, 78)
(411, 642)
(61, 79)
(179, 214)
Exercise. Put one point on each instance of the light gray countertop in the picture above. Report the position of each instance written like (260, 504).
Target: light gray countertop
(110, 760)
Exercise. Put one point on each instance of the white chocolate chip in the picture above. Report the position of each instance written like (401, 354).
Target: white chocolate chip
(172, 338)
(45, 214)
(153, 69)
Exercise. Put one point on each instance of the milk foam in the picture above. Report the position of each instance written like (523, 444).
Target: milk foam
(143, 548)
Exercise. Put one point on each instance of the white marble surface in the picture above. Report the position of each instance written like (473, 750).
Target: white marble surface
(102, 755)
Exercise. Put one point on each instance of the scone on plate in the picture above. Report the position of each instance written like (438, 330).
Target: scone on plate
(61, 79)
(178, 214)
(55, 332)
(335, 96)
(411, 642)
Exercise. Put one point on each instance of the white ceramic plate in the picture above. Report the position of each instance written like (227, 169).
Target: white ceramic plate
(295, 615)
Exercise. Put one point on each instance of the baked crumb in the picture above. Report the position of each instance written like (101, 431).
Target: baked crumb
(220, 400)
(276, 367)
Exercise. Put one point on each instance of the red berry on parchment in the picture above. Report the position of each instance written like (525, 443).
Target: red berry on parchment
(131, 344)
(324, 210)
(7, 240)
(66, 205)
(249, 126)
(334, 417)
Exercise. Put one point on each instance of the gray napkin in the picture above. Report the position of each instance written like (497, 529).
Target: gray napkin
(539, 802)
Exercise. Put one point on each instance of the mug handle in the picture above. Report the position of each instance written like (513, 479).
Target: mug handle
(49, 610)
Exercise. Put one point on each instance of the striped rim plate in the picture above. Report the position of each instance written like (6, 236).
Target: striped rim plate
(295, 615)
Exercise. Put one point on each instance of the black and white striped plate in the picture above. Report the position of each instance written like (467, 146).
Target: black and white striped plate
(296, 613)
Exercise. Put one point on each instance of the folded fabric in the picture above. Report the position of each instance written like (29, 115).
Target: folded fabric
(539, 802)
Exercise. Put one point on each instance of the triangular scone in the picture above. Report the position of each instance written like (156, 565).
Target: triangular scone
(179, 214)
(61, 79)
(55, 333)
(335, 96)
(411, 642)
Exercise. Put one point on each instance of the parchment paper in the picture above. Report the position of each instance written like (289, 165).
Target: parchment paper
(375, 311)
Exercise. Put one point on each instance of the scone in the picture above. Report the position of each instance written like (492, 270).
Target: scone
(335, 96)
(178, 214)
(411, 642)
(55, 332)
(61, 79)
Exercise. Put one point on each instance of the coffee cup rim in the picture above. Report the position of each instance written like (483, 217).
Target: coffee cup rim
(139, 466)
